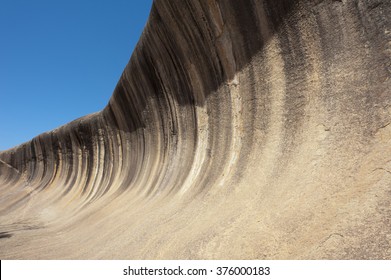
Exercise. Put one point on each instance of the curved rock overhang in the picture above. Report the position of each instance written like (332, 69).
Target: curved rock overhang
(239, 129)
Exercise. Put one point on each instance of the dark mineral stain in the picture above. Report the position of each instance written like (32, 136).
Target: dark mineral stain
(5, 235)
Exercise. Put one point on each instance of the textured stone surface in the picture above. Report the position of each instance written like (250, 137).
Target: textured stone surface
(239, 129)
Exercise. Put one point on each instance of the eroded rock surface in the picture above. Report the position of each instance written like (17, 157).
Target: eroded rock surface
(239, 129)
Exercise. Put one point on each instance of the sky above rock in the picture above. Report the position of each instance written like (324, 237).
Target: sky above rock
(60, 60)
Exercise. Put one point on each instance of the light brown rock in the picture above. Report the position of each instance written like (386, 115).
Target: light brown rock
(239, 130)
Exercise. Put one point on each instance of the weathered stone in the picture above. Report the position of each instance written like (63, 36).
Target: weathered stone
(239, 129)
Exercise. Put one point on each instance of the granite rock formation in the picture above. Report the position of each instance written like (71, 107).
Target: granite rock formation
(253, 129)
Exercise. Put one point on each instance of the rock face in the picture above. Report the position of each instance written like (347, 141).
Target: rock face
(239, 129)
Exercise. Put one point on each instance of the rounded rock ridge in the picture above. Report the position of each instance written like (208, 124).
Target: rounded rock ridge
(254, 129)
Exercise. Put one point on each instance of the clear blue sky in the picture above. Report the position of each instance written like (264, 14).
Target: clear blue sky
(61, 59)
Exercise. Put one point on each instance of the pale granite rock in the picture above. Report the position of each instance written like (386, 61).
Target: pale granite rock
(239, 130)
